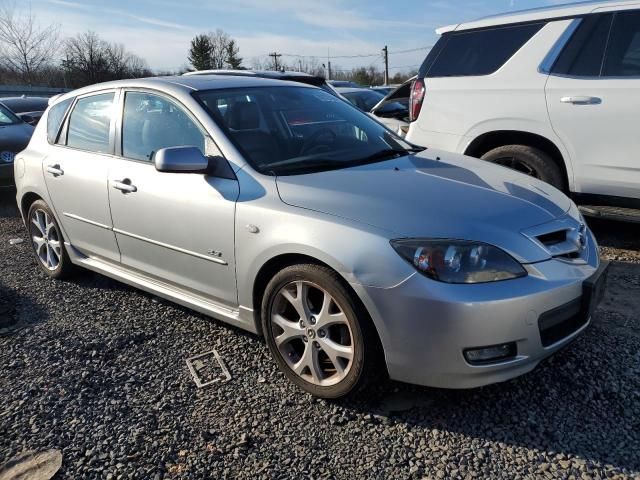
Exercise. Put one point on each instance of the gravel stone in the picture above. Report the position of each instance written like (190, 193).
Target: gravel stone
(98, 372)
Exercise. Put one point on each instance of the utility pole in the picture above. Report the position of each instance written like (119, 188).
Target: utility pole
(329, 63)
(275, 56)
(385, 52)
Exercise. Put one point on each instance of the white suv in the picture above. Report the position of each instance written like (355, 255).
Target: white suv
(552, 92)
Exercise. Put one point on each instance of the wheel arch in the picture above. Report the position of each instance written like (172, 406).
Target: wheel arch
(25, 203)
(277, 263)
(498, 138)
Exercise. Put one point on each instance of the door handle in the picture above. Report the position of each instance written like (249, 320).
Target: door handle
(55, 170)
(582, 100)
(124, 186)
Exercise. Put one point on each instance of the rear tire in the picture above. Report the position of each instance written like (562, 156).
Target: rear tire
(47, 241)
(319, 335)
(528, 160)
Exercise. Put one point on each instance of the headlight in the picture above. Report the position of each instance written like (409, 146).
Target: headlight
(458, 261)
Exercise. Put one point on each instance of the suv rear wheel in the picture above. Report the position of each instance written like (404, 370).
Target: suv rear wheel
(528, 160)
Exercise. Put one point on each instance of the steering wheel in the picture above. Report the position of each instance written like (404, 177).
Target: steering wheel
(312, 143)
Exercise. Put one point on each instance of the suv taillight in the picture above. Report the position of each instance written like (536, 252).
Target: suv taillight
(415, 101)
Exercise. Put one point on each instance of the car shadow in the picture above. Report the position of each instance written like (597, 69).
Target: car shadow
(567, 408)
(18, 312)
(8, 206)
(613, 234)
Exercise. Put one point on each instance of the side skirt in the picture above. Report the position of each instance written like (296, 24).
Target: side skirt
(241, 318)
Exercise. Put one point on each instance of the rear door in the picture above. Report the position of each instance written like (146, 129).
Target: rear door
(75, 172)
(593, 98)
(176, 227)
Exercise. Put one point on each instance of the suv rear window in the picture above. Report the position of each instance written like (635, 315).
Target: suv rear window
(476, 52)
(583, 55)
(623, 52)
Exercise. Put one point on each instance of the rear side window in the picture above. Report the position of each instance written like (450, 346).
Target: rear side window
(479, 52)
(90, 122)
(623, 52)
(584, 54)
(55, 119)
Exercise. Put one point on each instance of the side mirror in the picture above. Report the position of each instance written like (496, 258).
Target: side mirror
(27, 119)
(181, 160)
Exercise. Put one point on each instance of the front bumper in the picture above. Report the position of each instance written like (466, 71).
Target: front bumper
(6, 175)
(425, 326)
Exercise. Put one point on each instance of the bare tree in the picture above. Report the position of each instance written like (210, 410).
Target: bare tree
(90, 59)
(26, 48)
(219, 48)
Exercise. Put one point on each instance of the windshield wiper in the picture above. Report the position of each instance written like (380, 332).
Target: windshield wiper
(309, 166)
(386, 154)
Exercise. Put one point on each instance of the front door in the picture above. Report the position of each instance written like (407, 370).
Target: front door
(593, 99)
(177, 227)
(75, 173)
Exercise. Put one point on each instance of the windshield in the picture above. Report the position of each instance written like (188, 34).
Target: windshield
(297, 130)
(7, 117)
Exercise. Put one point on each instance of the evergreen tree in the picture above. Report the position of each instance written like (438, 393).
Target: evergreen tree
(233, 60)
(200, 52)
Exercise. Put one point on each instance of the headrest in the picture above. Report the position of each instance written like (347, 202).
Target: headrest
(243, 116)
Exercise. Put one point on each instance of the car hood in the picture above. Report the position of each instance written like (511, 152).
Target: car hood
(435, 195)
(15, 138)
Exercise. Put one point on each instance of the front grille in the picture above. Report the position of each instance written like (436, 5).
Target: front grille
(562, 321)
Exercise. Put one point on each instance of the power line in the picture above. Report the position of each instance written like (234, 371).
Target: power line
(360, 55)
(332, 56)
(397, 52)
(404, 66)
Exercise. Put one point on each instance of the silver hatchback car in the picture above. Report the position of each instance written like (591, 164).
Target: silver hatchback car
(282, 210)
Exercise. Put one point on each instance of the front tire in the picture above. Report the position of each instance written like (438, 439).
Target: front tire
(318, 334)
(47, 241)
(528, 160)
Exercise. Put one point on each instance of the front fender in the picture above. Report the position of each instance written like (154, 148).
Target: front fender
(359, 253)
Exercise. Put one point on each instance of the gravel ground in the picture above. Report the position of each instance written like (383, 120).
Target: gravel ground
(99, 372)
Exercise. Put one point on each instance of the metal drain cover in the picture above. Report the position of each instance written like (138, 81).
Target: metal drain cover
(208, 368)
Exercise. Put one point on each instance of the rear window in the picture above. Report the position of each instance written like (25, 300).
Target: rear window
(584, 54)
(476, 52)
(55, 119)
(623, 52)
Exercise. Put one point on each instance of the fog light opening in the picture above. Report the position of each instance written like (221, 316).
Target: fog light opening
(493, 354)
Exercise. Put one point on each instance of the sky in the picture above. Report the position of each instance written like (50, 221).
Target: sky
(160, 30)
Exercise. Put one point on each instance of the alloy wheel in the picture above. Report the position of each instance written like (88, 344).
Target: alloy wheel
(312, 333)
(46, 239)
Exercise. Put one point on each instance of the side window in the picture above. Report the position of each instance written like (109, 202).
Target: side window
(89, 123)
(152, 122)
(55, 118)
(623, 53)
(480, 52)
(584, 53)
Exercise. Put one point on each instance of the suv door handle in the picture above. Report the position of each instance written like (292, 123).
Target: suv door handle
(124, 186)
(55, 170)
(582, 100)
